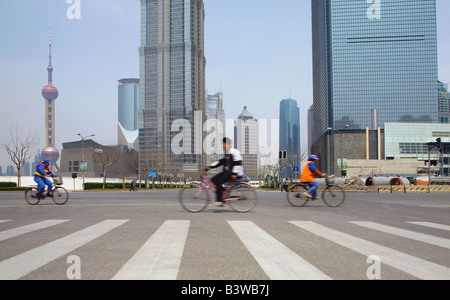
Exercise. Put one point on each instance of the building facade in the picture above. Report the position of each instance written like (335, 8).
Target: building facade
(415, 140)
(290, 135)
(444, 102)
(215, 127)
(246, 136)
(372, 55)
(114, 161)
(172, 83)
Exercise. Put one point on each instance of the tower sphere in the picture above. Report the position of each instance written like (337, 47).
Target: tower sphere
(50, 153)
(49, 92)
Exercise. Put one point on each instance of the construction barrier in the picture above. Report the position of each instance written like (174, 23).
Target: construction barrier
(397, 189)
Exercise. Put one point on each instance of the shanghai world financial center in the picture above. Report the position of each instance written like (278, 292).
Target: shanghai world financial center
(172, 81)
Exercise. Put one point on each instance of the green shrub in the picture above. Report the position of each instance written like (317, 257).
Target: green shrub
(8, 184)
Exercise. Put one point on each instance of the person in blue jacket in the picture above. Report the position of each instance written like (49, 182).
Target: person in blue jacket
(40, 176)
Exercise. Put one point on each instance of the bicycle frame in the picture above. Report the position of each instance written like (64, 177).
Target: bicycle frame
(207, 184)
(330, 190)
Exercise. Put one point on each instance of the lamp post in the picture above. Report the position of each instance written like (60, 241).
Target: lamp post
(82, 155)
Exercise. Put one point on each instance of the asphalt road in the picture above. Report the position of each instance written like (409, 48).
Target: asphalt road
(147, 235)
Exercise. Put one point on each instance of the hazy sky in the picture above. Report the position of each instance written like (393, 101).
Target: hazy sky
(258, 52)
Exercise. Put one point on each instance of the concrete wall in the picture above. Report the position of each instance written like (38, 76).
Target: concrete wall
(68, 182)
(357, 167)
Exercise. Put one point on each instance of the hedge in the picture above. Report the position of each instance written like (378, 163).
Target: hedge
(7, 184)
(119, 185)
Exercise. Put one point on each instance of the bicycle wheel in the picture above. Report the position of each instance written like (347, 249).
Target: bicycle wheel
(30, 196)
(60, 195)
(194, 198)
(242, 197)
(296, 195)
(333, 196)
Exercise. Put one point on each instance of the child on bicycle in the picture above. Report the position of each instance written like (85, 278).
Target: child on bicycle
(232, 168)
(309, 172)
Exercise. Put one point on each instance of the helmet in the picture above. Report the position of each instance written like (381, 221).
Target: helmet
(46, 161)
(313, 157)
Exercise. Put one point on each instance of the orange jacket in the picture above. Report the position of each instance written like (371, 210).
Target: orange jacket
(309, 172)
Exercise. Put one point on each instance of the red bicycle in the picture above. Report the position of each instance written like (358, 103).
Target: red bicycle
(240, 195)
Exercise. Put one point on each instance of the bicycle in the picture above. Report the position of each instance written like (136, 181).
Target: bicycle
(333, 195)
(59, 194)
(240, 195)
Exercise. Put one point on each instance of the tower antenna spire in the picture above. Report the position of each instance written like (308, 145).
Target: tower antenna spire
(50, 67)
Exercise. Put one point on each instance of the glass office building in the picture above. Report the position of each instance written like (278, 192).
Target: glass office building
(412, 140)
(290, 134)
(374, 55)
(128, 101)
(172, 80)
(128, 91)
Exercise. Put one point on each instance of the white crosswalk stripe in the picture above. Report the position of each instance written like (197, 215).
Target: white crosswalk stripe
(22, 264)
(7, 234)
(278, 261)
(412, 265)
(433, 240)
(160, 257)
(432, 225)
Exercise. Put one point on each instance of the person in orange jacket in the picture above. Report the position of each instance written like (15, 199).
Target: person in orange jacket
(309, 172)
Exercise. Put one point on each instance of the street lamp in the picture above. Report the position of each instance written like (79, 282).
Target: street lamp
(82, 145)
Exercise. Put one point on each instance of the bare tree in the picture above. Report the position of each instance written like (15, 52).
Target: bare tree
(106, 157)
(146, 162)
(18, 148)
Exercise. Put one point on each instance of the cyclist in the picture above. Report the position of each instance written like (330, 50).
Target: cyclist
(232, 168)
(309, 172)
(40, 176)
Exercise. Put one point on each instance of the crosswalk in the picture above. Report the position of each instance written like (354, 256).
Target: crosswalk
(160, 255)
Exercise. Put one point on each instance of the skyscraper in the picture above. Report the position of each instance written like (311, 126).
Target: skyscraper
(373, 55)
(290, 134)
(172, 82)
(215, 127)
(380, 55)
(50, 94)
(128, 101)
(246, 134)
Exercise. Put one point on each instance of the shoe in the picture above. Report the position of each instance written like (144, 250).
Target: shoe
(307, 195)
(314, 198)
(218, 203)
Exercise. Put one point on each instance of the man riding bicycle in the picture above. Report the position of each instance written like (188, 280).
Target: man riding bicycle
(232, 168)
(40, 176)
(309, 172)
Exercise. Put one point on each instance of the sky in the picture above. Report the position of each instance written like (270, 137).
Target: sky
(258, 52)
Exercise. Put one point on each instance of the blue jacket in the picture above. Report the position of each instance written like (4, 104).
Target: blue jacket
(42, 171)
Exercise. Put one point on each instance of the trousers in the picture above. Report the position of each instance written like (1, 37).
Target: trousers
(313, 187)
(42, 182)
(218, 180)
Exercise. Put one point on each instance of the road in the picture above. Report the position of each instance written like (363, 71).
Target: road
(147, 235)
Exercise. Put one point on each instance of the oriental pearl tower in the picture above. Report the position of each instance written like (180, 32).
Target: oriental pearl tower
(50, 94)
